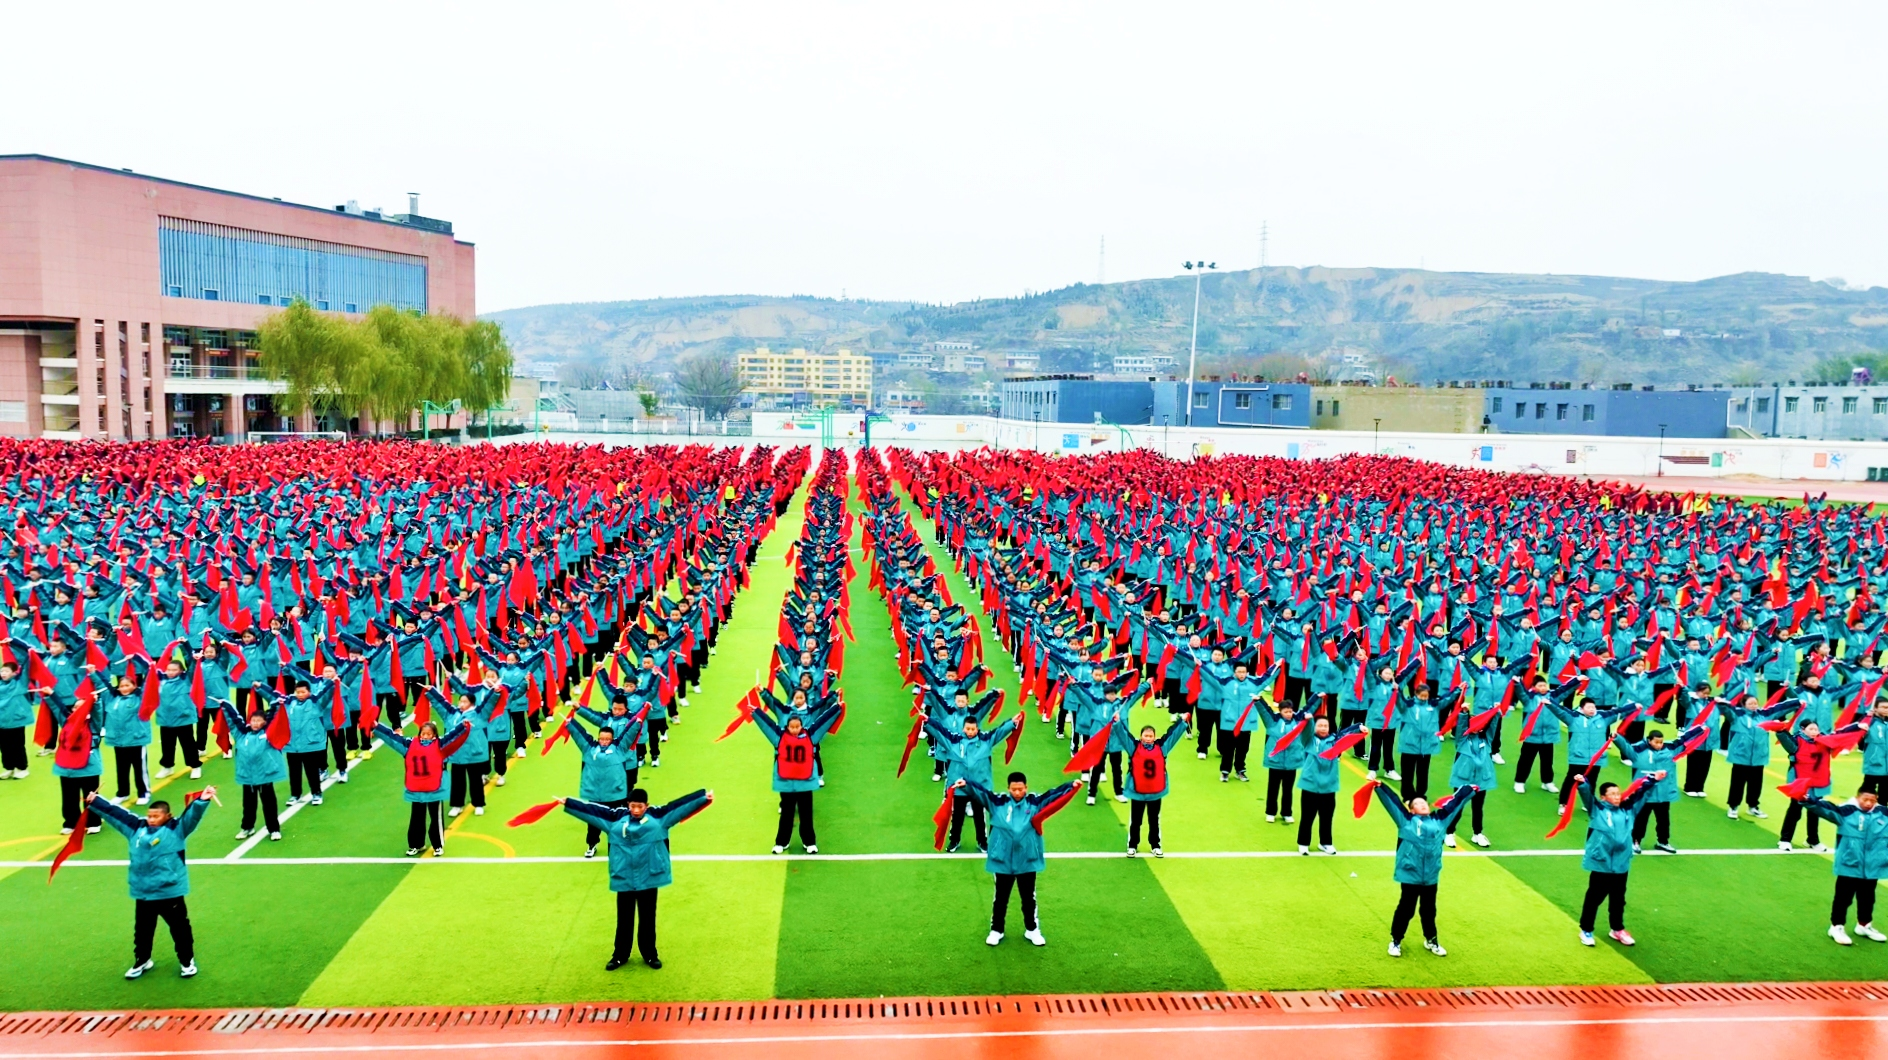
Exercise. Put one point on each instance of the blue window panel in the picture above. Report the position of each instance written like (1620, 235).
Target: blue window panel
(246, 266)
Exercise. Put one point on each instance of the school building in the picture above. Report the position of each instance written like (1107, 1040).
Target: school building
(129, 303)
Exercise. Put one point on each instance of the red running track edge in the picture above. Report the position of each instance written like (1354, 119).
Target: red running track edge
(1825, 1020)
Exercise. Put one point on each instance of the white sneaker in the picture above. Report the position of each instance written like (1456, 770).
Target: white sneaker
(1269, 818)
(1158, 854)
(65, 831)
(341, 777)
(1842, 937)
(664, 739)
(188, 971)
(275, 837)
(1500, 761)
(162, 772)
(1133, 852)
(1868, 931)
(777, 850)
(812, 849)
(144, 799)
(501, 780)
(1035, 937)
(242, 833)
(1732, 814)
(1551, 788)
(1759, 814)
(590, 852)
(1479, 840)
(1091, 800)
(1448, 841)
(1821, 848)
(1586, 938)
(95, 829)
(1435, 947)
(1305, 850)
(139, 969)
(1394, 775)
(1120, 798)
(1370, 775)
(1395, 950)
(1520, 788)
(1328, 848)
(520, 753)
(455, 811)
(993, 938)
(1289, 819)
(20, 774)
(1783, 846)
(197, 773)
(314, 800)
(478, 811)
(1202, 756)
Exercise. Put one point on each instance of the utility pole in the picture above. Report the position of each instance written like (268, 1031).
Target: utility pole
(1198, 268)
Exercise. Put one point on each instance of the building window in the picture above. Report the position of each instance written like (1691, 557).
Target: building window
(322, 304)
(174, 290)
(1199, 399)
(1560, 411)
(240, 264)
(1242, 401)
(211, 294)
(1586, 414)
(1281, 402)
(1540, 410)
(1743, 404)
(1881, 405)
(352, 307)
(1520, 409)
(1763, 404)
(1320, 408)
(1333, 406)
(263, 299)
(1849, 404)
(1497, 406)
(1789, 404)
(1820, 404)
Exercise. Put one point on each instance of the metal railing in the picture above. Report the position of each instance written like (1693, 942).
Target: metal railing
(180, 369)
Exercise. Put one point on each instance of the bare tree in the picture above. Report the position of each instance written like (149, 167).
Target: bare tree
(709, 382)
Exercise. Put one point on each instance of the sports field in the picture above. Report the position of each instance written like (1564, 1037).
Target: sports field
(334, 916)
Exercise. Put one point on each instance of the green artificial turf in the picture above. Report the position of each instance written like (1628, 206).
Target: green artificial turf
(404, 933)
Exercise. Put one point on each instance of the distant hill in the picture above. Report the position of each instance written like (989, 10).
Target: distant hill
(1421, 325)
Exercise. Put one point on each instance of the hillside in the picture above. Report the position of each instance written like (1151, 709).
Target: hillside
(1419, 324)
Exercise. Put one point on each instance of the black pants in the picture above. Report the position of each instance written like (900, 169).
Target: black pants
(305, 764)
(1415, 776)
(1094, 775)
(338, 740)
(13, 748)
(1417, 899)
(1347, 718)
(1862, 892)
(501, 756)
(72, 791)
(424, 825)
(1233, 747)
(654, 730)
(635, 916)
(265, 795)
(1569, 782)
(169, 737)
(1316, 806)
(1697, 770)
(1297, 689)
(1608, 887)
(1532, 753)
(519, 730)
(1794, 814)
(961, 802)
(1658, 811)
(468, 777)
(1025, 884)
(1474, 813)
(1207, 721)
(1746, 786)
(791, 803)
(200, 735)
(1136, 809)
(591, 833)
(130, 769)
(1382, 749)
(144, 929)
(1279, 784)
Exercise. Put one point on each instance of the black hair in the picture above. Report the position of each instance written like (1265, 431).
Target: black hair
(1655, 735)
(639, 795)
(1606, 787)
(1017, 777)
(161, 805)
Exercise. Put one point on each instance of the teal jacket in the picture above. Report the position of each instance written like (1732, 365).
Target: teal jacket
(1016, 826)
(16, 704)
(159, 868)
(1418, 725)
(815, 729)
(1237, 695)
(1474, 764)
(1419, 836)
(639, 846)
(1163, 747)
(1288, 755)
(1861, 838)
(1875, 749)
(1608, 830)
(967, 758)
(605, 778)
(1319, 774)
(1646, 762)
(123, 726)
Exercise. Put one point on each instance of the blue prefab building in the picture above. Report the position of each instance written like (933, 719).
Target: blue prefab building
(1077, 399)
(1619, 413)
(1235, 404)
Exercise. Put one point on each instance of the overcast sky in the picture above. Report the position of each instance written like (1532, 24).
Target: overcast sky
(955, 150)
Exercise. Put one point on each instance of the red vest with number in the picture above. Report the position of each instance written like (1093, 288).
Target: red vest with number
(794, 760)
(425, 766)
(1150, 769)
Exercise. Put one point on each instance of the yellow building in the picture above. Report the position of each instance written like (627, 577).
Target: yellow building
(803, 377)
(1442, 410)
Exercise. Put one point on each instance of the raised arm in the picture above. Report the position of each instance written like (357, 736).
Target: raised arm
(1458, 802)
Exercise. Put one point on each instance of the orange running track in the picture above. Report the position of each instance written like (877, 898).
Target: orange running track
(1834, 1021)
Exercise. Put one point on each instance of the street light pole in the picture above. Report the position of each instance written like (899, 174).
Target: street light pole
(1198, 268)
(1376, 427)
(1661, 470)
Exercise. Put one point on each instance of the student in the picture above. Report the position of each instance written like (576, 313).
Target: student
(796, 773)
(1473, 767)
(424, 783)
(1317, 785)
(307, 748)
(1418, 738)
(1810, 753)
(1589, 730)
(1237, 723)
(474, 756)
(16, 714)
(1380, 719)
(128, 734)
(260, 766)
(1147, 781)
(639, 862)
(1608, 856)
(1749, 752)
(177, 720)
(1419, 834)
(159, 875)
(76, 762)
(966, 757)
(1540, 735)
(1861, 859)
(1285, 736)
(604, 781)
(1653, 762)
(1874, 750)
(1693, 708)
(1016, 848)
